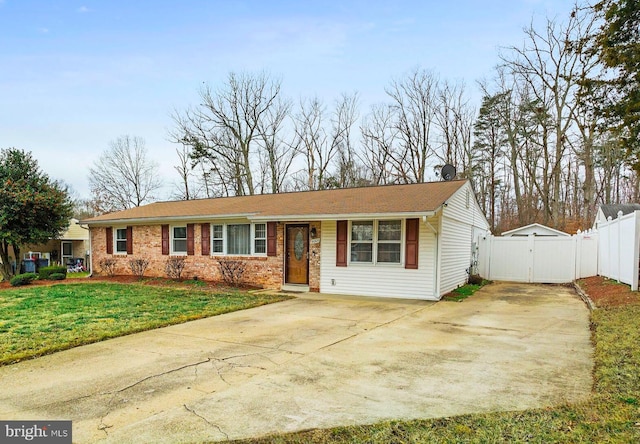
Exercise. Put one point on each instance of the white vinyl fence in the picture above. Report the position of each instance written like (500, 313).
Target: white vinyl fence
(619, 248)
(538, 259)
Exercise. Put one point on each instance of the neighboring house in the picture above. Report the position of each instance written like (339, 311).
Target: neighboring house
(71, 246)
(536, 230)
(607, 211)
(407, 241)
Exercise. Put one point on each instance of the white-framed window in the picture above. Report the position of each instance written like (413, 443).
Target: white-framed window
(217, 239)
(179, 240)
(239, 239)
(260, 238)
(376, 242)
(121, 240)
(389, 241)
(362, 241)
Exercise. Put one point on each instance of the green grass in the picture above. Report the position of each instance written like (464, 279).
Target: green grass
(463, 292)
(80, 275)
(610, 415)
(44, 319)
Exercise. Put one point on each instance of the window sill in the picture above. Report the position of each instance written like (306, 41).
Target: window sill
(377, 264)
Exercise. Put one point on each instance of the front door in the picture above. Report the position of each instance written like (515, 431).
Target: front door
(297, 265)
(67, 252)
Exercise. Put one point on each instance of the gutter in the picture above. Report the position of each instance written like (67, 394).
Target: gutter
(350, 216)
(253, 217)
(152, 220)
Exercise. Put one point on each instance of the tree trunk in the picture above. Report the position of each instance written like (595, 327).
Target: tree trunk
(6, 270)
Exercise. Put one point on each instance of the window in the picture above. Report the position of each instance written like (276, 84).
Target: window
(389, 241)
(121, 240)
(179, 241)
(238, 239)
(217, 240)
(376, 241)
(362, 241)
(260, 238)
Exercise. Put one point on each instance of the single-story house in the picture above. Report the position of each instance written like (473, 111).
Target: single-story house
(606, 211)
(70, 246)
(536, 230)
(406, 241)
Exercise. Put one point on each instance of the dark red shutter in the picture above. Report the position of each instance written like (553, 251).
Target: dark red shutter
(129, 240)
(341, 243)
(205, 239)
(272, 238)
(411, 244)
(190, 240)
(165, 239)
(109, 232)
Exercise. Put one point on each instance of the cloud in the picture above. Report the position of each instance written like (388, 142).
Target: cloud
(81, 9)
(42, 30)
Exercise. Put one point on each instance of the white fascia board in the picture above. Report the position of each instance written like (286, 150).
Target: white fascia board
(349, 216)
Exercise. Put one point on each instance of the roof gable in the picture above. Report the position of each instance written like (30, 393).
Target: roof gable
(535, 229)
(387, 199)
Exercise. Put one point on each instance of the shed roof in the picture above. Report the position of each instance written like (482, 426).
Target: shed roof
(535, 229)
(386, 199)
(611, 210)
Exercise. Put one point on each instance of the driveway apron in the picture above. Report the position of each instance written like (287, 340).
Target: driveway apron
(313, 362)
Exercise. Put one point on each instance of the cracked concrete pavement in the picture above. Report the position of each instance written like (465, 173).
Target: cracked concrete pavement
(311, 362)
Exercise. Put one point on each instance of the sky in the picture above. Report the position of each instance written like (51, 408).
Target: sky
(76, 75)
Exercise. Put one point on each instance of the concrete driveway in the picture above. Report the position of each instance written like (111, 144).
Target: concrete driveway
(315, 361)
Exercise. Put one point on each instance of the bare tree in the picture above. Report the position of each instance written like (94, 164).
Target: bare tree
(550, 64)
(276, 156)
(312, 141)
(225, 129)
(124, 177)
(187, 186)
(349, 172)
(378, 138)
(413, 102)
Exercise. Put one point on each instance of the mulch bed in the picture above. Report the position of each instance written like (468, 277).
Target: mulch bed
(606, 292)
(205, 285)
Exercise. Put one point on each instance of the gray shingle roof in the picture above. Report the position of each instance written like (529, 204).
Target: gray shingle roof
(611, 210)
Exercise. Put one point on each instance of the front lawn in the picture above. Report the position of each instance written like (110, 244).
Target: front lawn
(37, 320)
(611, 414)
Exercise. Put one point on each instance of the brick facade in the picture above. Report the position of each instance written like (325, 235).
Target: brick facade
(260, 271)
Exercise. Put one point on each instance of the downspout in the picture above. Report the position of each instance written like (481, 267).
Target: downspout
(90, 255)
(436, 273)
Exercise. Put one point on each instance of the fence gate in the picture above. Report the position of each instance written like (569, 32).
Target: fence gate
(538, 259)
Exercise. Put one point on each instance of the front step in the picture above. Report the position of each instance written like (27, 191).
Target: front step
(295, 288)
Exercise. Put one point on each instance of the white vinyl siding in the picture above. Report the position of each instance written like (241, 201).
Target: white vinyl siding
(391, 281)
(461, 223)
(455, 254)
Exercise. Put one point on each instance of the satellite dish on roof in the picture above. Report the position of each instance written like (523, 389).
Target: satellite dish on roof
(448, 172)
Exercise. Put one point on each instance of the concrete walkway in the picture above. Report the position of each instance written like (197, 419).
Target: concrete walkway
(315, 361)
